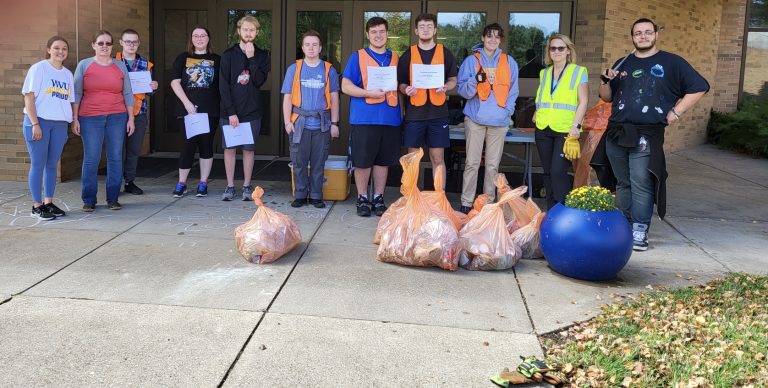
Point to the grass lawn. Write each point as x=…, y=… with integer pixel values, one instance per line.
x=712, y=335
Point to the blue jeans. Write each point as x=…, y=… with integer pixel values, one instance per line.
x=635, y=183
x=44, y=155
x=94, y=130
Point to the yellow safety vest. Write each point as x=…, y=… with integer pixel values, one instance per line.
x=557, y=111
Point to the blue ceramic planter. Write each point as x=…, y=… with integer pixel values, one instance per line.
x=584, y=244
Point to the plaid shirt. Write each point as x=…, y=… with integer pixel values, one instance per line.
x=140, y=64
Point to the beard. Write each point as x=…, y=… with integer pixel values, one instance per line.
x=244, y=40
x=646, y=47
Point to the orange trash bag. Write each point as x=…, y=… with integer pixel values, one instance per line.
x=515, y=209
x=268, y=235
x=485, y=242
x=527, y=238
x=420, y=235
x=438, y=199
x=480, y=201
x=595, y=122
x=389, y=217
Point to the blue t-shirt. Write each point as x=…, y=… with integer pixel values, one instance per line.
x=312, y=89
x=362, y=113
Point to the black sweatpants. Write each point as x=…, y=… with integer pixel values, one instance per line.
x=556, y=179
x=200, y=143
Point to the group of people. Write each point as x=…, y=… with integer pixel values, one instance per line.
x=99, y=103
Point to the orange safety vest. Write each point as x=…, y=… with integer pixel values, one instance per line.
x=364, y=60
x=296, y=89
x=421, y=95
x=137, y=98
x=501, y=83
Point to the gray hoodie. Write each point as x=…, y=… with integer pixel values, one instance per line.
x=486, y=112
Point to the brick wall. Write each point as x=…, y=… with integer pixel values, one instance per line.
x=693, y=31
x=24, y=39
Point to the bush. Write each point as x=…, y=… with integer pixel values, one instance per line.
x=591, y=198
x=744, y=130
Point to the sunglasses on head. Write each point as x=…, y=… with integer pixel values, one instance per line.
x=560, y=49
x=108, y=44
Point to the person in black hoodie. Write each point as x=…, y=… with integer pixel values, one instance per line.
x=244, y=68
x=650, y=90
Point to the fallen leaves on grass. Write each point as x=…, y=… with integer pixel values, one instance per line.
x=705, y=336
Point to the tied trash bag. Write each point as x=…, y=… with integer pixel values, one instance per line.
x=268, y=235
x=527, y=238
x=480, y=202
x=595, y=122
x=438, y=199
x=485, y=242
x=388, y=218
x=420, y=235
x=515, y=209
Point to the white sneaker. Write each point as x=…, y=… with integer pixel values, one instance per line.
x=640, y=237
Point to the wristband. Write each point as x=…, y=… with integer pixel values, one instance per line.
x=675, y=113
x=335, y=123
x=38, y=124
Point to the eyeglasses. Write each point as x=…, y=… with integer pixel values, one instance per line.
x=554, y=49
x=131, y=42
x=646, y=33
x=102, y=44
x=426, y=28
x=199, y=36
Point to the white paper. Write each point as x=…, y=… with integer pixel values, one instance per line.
x=140, y=82
x=428, y=76
x=196, y=124
x=384, y=78
x=237, y=136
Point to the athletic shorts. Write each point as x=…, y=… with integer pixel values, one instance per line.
x=434, y=133
x=375, y=145
x=255, y=130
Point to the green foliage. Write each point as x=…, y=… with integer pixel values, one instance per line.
x=328, y=24
x=591, y=198
x=399, y=30
x=263, y=40
x=460, y=38
x=758, y=14
x=746, y=129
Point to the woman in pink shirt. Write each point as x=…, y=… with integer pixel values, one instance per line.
x=103, y=107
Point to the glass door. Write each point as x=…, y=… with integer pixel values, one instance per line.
x=333, y=20
x=174, y=20
x=268, y=13
x=399, y=15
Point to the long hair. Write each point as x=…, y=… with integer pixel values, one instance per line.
x=53, y=40
x=571, y=58
x=191, y=47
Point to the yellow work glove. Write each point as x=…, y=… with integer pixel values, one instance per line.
x=571, y=148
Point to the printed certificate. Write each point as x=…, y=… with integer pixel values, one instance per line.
x=428, y=76
x=384, y=78
x=140, y=82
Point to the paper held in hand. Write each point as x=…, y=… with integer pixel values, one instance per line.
x=384, y=78
x=140, y=82
x=235, y=136
x=196, y=124
x=428, y=76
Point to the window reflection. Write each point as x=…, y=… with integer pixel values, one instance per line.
x=328, y=24
x=177, y=26
x=459, y=31
x=263, y=40
x=399, y=37
x=528, y=33
x=756, y=66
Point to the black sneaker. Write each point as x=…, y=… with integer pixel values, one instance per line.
x=640, y=237
x=318, y=203
x=53, y=209
x=465, y=209
x=131, y=187
x=180, y=190
x=41, y=213
x=89, y=207
x=299, y=202
x=247, y=192
x=202, y=189
x=378, y=205
x=363, y=207
x=114, y=205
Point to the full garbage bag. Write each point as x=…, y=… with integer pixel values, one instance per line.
x=485, y=242
x=515, y=209
x=527, y=237
x=480, y=201
x=420, y=235
x=438, y=199
x=268, y=235
x=595, y=123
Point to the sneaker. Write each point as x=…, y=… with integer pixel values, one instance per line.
x=89, y=207
x=465, y=209
x=247, y=191
x=181, y=189
x=114, y=205
x=131, y=187
x=202, y=189
x=640, y=237
x=318, y=203
x=41, y=213
x=378, y=206
x=363, y=207
x=229, y=194
x=299, y=202
x=53, y=209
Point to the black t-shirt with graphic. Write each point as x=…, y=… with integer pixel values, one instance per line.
x=199, y=75
x=646, y=89
x=427, y=111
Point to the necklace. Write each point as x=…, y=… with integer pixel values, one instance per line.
x=374, y=56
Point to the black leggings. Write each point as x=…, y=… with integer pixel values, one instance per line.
x=556, y=179
x=203, y=143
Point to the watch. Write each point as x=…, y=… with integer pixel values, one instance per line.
x=334, y=123
x=578, y=126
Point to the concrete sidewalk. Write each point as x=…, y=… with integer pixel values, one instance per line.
x=157, y=294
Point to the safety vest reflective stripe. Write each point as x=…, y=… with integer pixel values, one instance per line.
x=573, y=76
x=542, y=105
x=557, y=109
x=564, y=106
